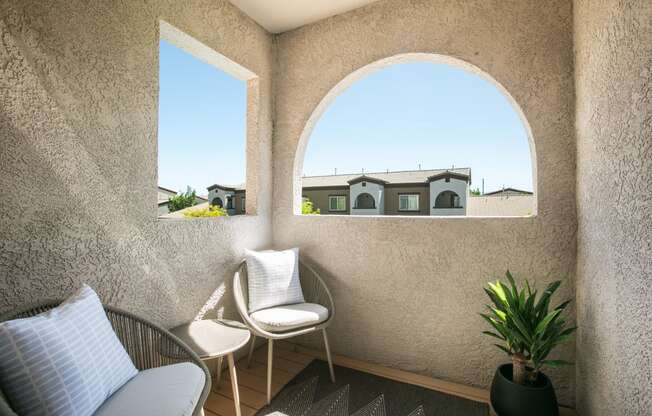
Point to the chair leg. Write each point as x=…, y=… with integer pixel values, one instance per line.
x=270, y=356
x=328, y=355
x=218, y=371
x=251, y=350
x=234, y=384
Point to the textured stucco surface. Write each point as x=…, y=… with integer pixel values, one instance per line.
x=613, y=43
x=408, y=289
x=78, y=156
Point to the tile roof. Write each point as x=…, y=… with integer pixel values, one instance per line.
x=508, y=191
x=405, y=176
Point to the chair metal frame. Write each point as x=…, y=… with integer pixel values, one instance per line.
x=314, y=291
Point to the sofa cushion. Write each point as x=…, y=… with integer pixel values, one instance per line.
x=287, y=317
x=273, y=278
x=64, y=361
x=172, y=390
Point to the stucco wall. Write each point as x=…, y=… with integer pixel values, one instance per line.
x=78, y=157
x=613, y=43
x=408, y=289
x=513, y=205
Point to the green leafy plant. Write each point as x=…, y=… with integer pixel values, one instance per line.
x=182, y=200
x=307, y=208
x=475, y=192
x=211, y=211
x=527, y=327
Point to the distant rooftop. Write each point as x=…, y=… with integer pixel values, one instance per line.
x=508, y=191
x=239, y=187
x=392, y=177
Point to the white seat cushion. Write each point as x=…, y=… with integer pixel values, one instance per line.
x=287, y=317
x=273, y=278
x=172, y=390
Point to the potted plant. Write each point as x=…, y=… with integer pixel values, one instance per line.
x=528, y=330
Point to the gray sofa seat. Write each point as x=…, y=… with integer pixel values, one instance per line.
x=172, y=390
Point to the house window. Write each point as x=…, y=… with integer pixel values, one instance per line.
x=337, y=203
x=408, y=202
x=202, y=95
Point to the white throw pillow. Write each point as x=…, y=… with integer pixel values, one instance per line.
x=273, y=278
x=66, y=361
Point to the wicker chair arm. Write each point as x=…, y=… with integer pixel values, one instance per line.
x=148, y=345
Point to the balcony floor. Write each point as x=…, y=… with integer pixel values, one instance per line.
x=289, y=360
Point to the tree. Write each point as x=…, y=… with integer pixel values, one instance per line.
x=182, y=200
x=308, y=209
x=475, y=192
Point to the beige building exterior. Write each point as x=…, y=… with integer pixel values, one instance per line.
x=232, y=198
x=412, y=192
x=435, y=192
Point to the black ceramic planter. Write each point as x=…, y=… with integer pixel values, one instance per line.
x=511, y=399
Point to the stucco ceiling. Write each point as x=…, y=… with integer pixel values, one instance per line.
x=282, y=15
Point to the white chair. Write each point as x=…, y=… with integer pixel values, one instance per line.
x=314, y=292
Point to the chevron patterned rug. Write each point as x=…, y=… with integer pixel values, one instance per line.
x=355, y=393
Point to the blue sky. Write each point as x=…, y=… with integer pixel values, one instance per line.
x=422, y=113
x=396, y=118
x=201, y=127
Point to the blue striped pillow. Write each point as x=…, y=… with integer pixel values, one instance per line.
x=66, y=361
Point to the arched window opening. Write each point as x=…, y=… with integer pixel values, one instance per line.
x=217, y=202
x=418, y=124
x=365, y=201
x=447, y=199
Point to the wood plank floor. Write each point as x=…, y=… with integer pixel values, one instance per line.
x=289, y=360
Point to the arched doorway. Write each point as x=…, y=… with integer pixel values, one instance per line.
x=365, y=201
x=447, y=199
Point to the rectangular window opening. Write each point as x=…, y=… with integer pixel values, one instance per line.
x=204, y=111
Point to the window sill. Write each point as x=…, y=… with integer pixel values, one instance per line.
x=190, y=219
x=420, y=217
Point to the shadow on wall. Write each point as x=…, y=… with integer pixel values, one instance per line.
x=88, y=232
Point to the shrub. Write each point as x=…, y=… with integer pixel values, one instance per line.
x=308, y=209
x=182, y=200
x=211, y=211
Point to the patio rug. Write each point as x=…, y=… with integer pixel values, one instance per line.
x=355, y=393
